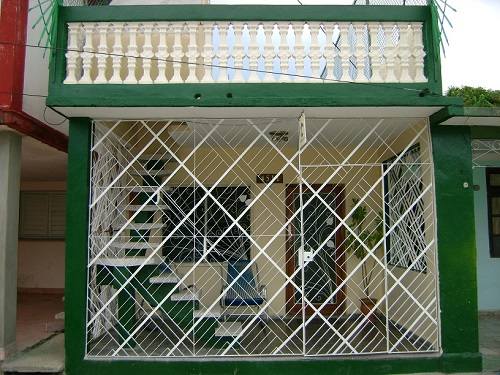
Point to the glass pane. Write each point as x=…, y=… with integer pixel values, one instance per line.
x=494, y=179
x=495, y=205
x=495, y=225
x=495, y=252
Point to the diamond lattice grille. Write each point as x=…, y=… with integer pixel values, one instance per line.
x=259, y=237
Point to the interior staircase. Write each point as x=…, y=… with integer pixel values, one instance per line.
x=145, y=279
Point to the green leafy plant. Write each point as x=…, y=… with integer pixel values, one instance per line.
x=476, y=96
x=364, y=239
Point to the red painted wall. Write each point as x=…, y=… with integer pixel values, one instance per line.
x=13, y=22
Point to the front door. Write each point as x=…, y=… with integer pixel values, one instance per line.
x=316, y=244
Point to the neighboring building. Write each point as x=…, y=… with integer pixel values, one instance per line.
x=200, y=143
x=32, y=158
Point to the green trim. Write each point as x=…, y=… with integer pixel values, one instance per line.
x=359, y=366
x=456, y=242
x=446, y=113
x=77, y=240
x=245, y=95
x=482, y=112
x=263, y=13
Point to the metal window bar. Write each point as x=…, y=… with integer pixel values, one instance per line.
x=145, y=304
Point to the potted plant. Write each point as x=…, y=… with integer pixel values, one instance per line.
x=365, y=238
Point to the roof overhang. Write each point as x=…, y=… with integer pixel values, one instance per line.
x=158, y=113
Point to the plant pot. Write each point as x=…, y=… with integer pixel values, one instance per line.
x=366, y=305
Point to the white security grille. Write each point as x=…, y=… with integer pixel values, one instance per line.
x=259, y=237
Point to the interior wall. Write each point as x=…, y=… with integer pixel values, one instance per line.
x=420, y=288
x=268, y=215
x=41, y=262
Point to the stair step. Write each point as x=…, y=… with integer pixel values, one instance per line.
x=127, y=261
x=152, y=172
x=165, y=278
x=228, y=329
x=186, y=295
x=141, y=226
x=215, y=312
x=147, y=208
x=146, y=158
x=134, y=245
x=149, y=189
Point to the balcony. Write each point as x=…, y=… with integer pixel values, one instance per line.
x=214, y=55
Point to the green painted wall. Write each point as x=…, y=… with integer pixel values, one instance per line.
x=77, y=242
x=456, y=246
x=457, y=261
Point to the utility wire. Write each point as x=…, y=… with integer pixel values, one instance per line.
x=110, y=54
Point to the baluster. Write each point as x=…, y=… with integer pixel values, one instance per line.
x=177, y=53
x=117, y=52
x=88, y=53
x=162, y=53
x=300, y=53
x=208, y=53
x=238, y=53
x=102, y=55
x=269, y=53
x=253, y=52
x=223, y=55
x=390, y=54
x=132, y=54
x=315, y=53
x=147, y=53
x=418, y=51
x=330, y=53
x=360, y=53
x=375, y=54
x=283, y=53
x=73, y=54
x=345, y=52
x=192, y=53
x=404, y=52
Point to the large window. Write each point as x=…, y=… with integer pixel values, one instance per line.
x=219, y=227
x=42, y=215
x=493, y=189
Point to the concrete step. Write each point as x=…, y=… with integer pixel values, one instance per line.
x=127, y=261
x=165, y=278
x=215, y=312
x=228, y=329
x=187, y=295
x=146, y=208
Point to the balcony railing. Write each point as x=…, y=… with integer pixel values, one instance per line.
x=244, y=52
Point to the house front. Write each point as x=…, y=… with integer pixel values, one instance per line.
x=263, y=188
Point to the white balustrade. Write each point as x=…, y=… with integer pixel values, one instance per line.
x=239, y=52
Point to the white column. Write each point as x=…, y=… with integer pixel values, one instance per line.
x=10, y=174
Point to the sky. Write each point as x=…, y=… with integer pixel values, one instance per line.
x=472, y=57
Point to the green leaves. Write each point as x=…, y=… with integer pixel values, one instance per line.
x=476, y=96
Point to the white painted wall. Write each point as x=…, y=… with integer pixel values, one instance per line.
x=36, y=76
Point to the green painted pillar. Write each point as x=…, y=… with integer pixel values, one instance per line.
x=77, y=242
x=456, y=248
x=10, y=175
